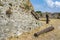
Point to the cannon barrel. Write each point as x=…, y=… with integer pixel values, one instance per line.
x=35, y=15
x=43, y=31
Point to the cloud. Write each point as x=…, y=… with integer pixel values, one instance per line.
x=51, y=3
x=57, y=3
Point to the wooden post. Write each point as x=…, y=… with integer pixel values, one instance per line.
x=47, y=19
x=44, y=31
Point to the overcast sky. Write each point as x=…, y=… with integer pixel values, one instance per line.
x=46, y=5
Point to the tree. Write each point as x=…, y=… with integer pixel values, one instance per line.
x=39, y=12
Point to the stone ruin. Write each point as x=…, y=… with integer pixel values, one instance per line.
x=16, y=18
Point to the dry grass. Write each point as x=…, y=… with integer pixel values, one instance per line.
x=53, y=35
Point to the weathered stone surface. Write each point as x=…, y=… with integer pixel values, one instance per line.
x=20, y=20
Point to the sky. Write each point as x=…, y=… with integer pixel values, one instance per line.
x=46, y=5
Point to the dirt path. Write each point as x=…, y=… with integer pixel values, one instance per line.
x=53, y=35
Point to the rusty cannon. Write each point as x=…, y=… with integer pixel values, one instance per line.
x=44, y=31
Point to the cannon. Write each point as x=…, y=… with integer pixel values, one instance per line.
x=43, y=31
x=35, y=15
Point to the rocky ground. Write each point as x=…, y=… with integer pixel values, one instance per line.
x=52, y=35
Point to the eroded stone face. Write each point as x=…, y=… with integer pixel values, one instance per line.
x=20, y=20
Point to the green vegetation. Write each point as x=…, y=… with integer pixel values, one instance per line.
x=58, y=16
x=10, y=4
x=26, y=6
x=39, y=12
x=0, y=11
x=1, y=4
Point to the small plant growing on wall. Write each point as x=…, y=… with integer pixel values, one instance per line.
x=8, y=12
x=0, y=11
x=26, y=6
x=1, y=4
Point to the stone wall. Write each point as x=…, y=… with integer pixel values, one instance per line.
x=16, y=18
